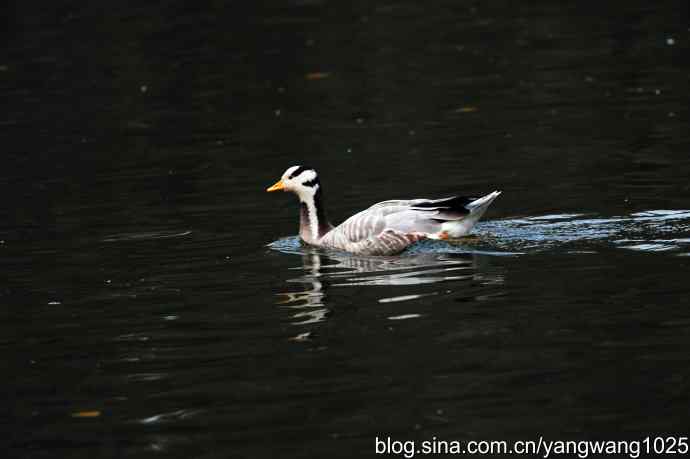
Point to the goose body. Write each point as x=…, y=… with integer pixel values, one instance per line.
x=386, y=228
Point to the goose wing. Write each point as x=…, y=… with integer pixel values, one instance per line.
x=391, y=226
x=451, y=208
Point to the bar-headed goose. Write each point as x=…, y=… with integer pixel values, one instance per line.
x=386, y=228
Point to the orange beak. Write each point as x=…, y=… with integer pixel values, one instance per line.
x=279, y=185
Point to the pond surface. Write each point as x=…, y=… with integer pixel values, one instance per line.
x=156, y=301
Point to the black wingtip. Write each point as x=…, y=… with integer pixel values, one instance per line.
x=452, y=203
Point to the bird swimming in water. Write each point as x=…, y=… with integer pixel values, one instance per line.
x=386, y=228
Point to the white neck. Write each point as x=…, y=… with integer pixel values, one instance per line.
x=313, y=223
x=312, y=219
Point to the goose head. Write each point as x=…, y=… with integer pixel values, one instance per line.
x=301, y=180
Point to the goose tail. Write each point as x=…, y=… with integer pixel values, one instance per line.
x=480, y=205
x=454, y=229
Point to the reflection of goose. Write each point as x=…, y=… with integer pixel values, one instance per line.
x=308, y=303
x=345, y=270
x=419, y=269
x=385, y=228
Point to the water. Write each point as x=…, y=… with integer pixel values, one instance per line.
x=155, y=300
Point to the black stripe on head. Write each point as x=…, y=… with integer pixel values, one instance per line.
x=296, y=172
x=299, y=170
x=311, y=183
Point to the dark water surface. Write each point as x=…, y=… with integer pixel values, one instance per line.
x=155, y=300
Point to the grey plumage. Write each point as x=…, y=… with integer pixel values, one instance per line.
x=386, y=228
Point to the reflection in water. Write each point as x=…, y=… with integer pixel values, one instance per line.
x=309, y=303
x=326, y=270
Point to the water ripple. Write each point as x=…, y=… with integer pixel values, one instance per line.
x=170, y=416
x=642, y=229
x=145, y=236
x=527, y=234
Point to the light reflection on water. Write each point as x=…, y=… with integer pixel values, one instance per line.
x=170, y=417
